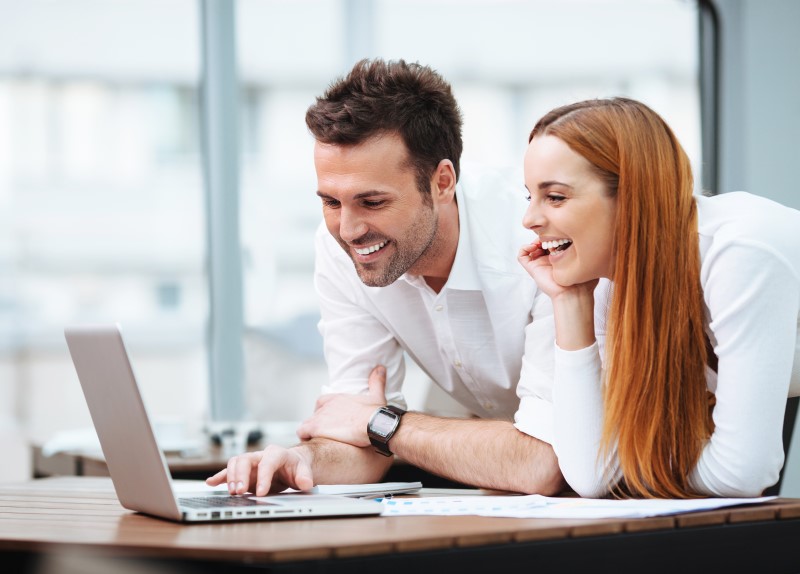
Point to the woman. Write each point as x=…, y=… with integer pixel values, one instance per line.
x=684, y=393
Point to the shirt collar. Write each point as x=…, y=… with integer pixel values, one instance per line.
x=463, y=274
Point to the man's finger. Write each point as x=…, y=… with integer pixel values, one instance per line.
x=231, y=474
x=303, y=477
x=274, y=458
x=304, y=431
x=218, y=478
x=244, y=466
x=377, y=383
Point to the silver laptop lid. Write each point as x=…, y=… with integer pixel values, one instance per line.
x=135, y=462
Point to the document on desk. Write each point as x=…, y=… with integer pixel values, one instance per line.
x=536, y=506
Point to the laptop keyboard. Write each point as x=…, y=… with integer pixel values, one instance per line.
x=219, y=501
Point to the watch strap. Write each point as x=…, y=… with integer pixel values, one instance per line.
x=380, y=441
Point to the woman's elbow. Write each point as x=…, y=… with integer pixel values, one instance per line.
x=588, y=488
x=748, y=479
x=747, y=485
x=585, y=482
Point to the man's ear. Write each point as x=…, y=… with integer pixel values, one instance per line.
x=443, y=184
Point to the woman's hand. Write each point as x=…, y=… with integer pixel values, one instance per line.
x=535, y=260
x=573, y=305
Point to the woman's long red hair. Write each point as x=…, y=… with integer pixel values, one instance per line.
x=655, y=396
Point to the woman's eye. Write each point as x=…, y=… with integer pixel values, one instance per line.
x=554, y=198
x=528, y=197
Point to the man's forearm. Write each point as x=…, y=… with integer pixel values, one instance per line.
x=335, y=462
x=488, y=454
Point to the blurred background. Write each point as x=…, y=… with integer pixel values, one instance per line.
x=103, y=201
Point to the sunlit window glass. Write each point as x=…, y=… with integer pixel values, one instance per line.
x=101, y=203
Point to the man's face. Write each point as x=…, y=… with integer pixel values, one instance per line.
x=373, y=208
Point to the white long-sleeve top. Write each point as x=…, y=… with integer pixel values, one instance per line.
x=750, y=275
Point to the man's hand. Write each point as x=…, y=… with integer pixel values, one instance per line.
x=344, y=418
x=271, y=470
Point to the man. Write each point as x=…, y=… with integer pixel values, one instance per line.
x=410, y=261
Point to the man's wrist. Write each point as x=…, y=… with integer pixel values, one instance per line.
x=383, y=426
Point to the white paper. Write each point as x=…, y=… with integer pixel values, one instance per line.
x=371, y=489
x=536, y=506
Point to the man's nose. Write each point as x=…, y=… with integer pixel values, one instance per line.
x=351, y=225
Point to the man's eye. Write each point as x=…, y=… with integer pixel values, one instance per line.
x=330, y=203
x=373, y=203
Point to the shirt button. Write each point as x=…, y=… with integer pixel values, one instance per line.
x=439, y=307
x=488, y=406
x=457, y=363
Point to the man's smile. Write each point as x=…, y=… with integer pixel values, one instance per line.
x=370, y=249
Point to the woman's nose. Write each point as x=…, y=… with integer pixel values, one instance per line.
x=533, y=217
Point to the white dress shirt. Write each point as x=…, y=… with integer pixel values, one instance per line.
x=468, y=338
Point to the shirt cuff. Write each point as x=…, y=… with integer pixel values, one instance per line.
x=535, y=418
x=586, y=360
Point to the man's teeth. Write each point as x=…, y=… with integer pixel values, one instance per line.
x=372, y=249
x=554, y=245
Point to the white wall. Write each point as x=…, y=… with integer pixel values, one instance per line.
x=760, y=117
x=760, y=151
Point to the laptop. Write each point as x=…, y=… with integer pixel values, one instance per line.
x=135, y=462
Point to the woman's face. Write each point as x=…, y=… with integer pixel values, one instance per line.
x=570, y=210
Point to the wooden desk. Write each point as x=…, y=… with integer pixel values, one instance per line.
x=76, y=524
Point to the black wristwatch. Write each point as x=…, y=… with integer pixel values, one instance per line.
x=382, y=426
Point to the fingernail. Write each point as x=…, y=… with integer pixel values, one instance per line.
x=261, y=488
x=231, y=486
x=240, y=485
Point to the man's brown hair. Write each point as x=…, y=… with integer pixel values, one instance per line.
x=378, y=97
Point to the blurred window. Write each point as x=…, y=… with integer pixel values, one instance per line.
x=101, y=200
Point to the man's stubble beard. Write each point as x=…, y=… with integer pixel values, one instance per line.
x=403, y=260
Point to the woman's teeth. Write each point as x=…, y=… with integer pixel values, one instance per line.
x=556, y=245
x=372, y=249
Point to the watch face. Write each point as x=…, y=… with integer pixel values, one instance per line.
x=383, y=423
